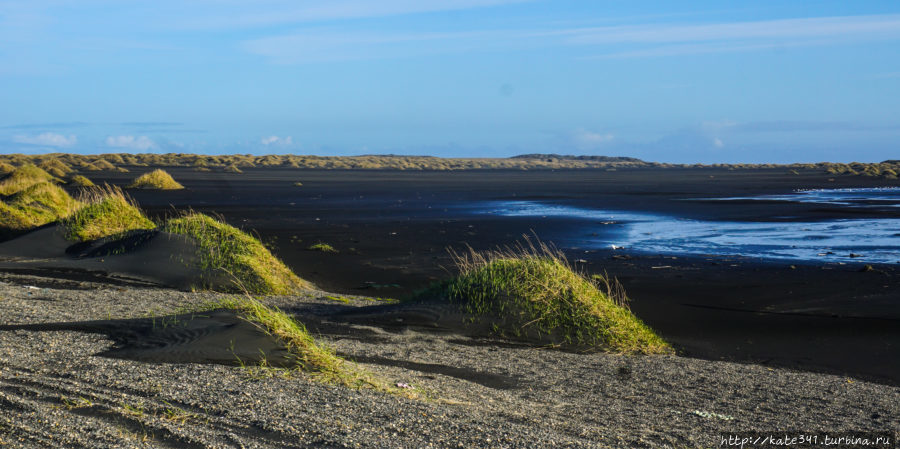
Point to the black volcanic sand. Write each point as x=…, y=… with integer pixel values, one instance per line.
x=392, y=230
x=107, y=367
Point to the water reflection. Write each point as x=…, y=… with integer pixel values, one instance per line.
x=870, y=240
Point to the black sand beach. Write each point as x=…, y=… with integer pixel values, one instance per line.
x=815, y=342
x=392, y=228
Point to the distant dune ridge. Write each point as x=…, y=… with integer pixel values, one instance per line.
x=235, y=163
x=577, y=158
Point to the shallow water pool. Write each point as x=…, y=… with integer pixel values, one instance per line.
x=874, y=240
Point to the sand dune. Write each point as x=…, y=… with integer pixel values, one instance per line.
x=217, y=336
x=152, y=257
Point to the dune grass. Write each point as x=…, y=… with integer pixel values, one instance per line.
x=322, y=247
x=156, y=180
x=35, y=206
x=55, y=167
x=22, y=178
x=103, y=164
x=315, y=359
x=531, y=292
x=107, y=212
x=80, y=181
x=6, y=168
x=224, y=249
x=233, y=168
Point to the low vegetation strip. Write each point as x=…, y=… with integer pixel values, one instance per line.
x=530, y=292
x=226, y=250
x=156, y=180
x=107, y=212
x=888, y=169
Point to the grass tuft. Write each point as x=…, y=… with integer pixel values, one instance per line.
x=55, y=167
x=323, y=247
x=531, y=292
x=224, y=249
x=313, y=358
x=6, y=168
x=80, y=181
x=22, y=178
x=108, y=212
x=156, y=180
x=36, y=205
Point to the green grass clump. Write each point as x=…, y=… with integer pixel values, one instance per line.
x=22, y=178
x=35, y=206
x=157, y=180
x=532, y=293
x=233, y=168
x=224, y=249
x=80, y=181
x=55, y=167
x=107, y=212
x=323, y=247
x=6, y=168
x=103, y=164
x=313, y=358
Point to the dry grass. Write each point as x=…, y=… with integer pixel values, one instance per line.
x=114, y=162
x=157, y=180
x=103, y=164
x=224, y=249
x=35, y=206
x=531, y=292
x=22, y=178
x=55, y=167
x=315, y=359
x=80, y=181
x=107, y=212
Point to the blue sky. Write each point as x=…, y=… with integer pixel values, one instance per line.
x=689, y=81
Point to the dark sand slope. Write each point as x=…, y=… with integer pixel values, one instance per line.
x=142, y=257
x=216, y=336
x=60, y=388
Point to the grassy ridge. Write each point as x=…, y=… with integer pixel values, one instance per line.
x=233, y=163
x=532, y=293
x=224, y=249
x=107, y=212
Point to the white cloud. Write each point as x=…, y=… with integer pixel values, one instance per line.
x=816, y=27
x=669, y=39
x=624, y=41
x=717, y=142
x=47, y=139
x=275, y=140
x=589, y=140
x=141, y=143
